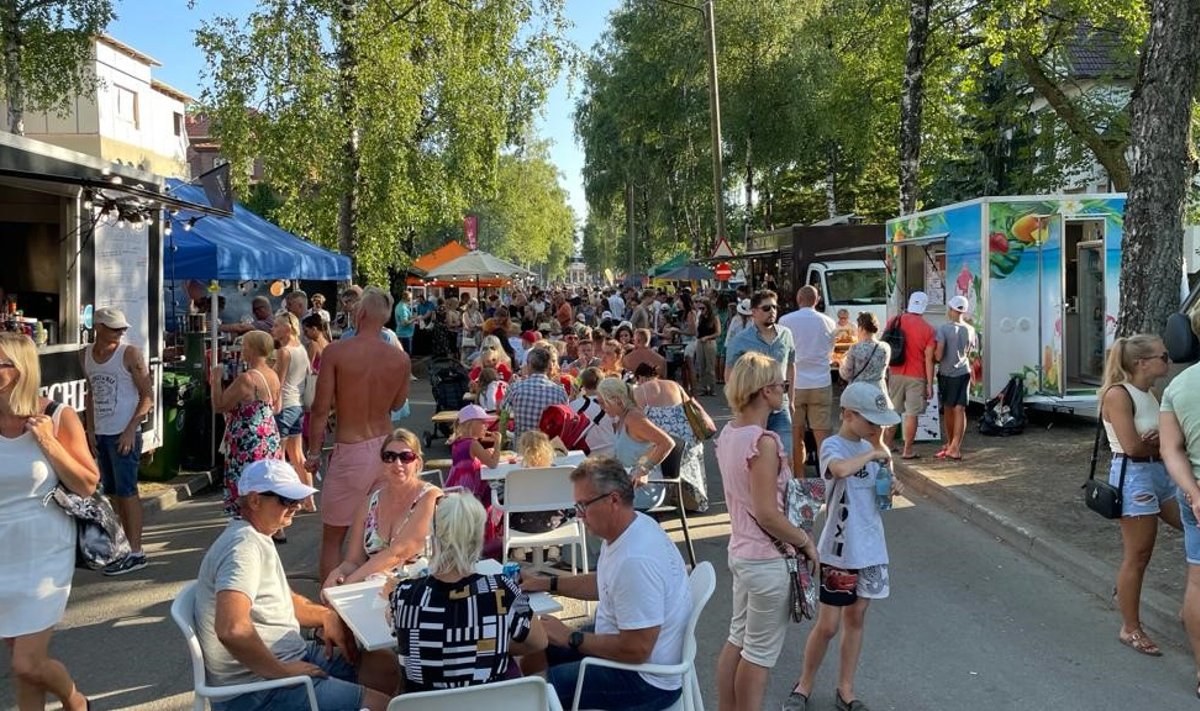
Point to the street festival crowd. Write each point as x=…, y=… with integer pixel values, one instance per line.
x=610, y=372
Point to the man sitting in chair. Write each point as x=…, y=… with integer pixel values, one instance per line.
x=644, y=601
x=248, y=620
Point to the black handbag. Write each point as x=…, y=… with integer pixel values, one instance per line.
x=1099, y=495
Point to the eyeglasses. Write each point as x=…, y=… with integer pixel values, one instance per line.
x=766, y=307
x=406, y=457
x=1164, y=357
x=283, y=500
x=581, y=507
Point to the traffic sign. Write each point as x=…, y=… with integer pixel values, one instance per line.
x=722, y=250
x=723, y=272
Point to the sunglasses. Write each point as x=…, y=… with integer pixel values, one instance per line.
x=581, y=507
x=766, y=307
x=283, y=500
x=405, y=457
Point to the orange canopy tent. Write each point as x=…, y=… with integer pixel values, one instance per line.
x=441, y=255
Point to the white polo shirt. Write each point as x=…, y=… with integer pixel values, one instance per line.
x=812, y=332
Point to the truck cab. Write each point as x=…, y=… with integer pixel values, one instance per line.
x=855, y=285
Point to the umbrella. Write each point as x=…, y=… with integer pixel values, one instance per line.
x=476, y=265
x=689, y=272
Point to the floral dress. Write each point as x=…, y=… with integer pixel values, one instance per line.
x=672, y=420
x=250, y=435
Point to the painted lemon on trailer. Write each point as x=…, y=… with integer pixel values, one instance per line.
x=1031, y=229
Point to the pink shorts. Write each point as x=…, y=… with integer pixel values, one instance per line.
x=353, y=471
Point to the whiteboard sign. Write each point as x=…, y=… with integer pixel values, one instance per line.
x=123, y=275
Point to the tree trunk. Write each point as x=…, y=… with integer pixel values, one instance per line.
x=14, y=88
x=912, y=99
x=831, y=181
x=749, y=190
x=629, y=226
x=347, y=60
x=1162, y=167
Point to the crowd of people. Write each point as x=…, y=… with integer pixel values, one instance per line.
x=612, y=372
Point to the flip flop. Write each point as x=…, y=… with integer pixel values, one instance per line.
x=911, y=456
x=957, y=459
x=1139, y=642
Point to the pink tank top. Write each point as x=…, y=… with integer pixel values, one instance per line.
x=736, y=446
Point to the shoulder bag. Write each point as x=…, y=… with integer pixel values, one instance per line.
x=702, y=425
x=893, y=335
x=1099, y=495
x=309, y=391
x=802, y=599
x=99, y=539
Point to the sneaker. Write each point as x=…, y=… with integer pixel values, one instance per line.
x=795, y=702
x=128, y=564
x=414, y=378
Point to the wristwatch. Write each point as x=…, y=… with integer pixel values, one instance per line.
x=553, y=583
x=575, y=640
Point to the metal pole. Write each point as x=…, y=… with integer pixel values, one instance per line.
x=714, y=106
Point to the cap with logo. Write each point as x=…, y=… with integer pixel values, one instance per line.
x=959, y=303
x=917, y=302
x=869, y=401
x=110, y=317
x=275, y=476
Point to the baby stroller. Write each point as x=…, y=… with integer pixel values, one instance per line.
x=450, y=381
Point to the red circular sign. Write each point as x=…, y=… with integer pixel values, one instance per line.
x=723, y=272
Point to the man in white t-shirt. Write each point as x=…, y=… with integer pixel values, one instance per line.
x=812, y=391
x=644, y=600
x=617, y=305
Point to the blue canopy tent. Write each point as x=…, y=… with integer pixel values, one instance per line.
x=243, y=247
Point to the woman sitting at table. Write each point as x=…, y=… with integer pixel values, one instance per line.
x=640, y=444
x=390, y=529
x=457, y=627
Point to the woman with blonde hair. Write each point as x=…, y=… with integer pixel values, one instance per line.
x=755, y=470
x=249, y=403
x=292, y=368
x=640, y=445
x=390, y=529
x=1129, y=412
x=457, y=619
x=42, y=445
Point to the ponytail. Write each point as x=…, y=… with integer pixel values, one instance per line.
x=1123, y=357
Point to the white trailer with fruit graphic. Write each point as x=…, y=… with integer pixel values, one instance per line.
x=1040, y=273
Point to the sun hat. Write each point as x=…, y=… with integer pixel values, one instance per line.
x=743, y=307
x=959, y=303
x=917, y=302
x=869, y=401
x=111, y=317
x=274, y=476
x=474, y=412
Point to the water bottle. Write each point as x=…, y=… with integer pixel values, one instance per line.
x=883, y=487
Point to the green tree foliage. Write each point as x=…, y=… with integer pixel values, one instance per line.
x=48, y=47
x=439, y=88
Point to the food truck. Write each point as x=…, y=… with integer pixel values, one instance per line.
x=1041, y=276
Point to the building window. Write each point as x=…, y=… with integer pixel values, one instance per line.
x=178, y=124
x=127, y=105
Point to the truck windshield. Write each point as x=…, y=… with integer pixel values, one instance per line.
x=856, y=286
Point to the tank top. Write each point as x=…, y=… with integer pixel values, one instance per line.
x=293, y=380
x=114, y=395
x=1145, y=416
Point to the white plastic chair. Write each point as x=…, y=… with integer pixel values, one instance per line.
x=548, y=489
x=530, y=693
x=183, y=612
x=701, y=583
x=433, y=476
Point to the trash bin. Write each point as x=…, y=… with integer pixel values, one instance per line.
x=162, y=464
x=196, y=454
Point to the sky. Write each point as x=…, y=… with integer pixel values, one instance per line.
x=164, y=30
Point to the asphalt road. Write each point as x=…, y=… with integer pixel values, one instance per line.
x=971, y=624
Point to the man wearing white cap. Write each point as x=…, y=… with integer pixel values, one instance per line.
x=119, y=395
x=910, y=383
x=955, y=340
x=248, y=620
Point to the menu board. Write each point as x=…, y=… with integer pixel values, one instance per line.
x=123, y=274
x=935, y=275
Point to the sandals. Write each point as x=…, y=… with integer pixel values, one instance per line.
x=1139, y=642
x=854, y=705
x=799, y=702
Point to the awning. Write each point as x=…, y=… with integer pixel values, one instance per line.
x=432, y=260
x=242, y=247
x=675, y=262
x=439, y=256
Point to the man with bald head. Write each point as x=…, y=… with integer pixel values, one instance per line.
x=363, y=378
x=812, y=390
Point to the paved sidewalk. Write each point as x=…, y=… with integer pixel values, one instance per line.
x=1026, y=491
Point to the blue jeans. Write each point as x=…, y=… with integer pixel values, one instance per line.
x=780, y=422
x=603, y=688
x=118, y=472
x=336, y=692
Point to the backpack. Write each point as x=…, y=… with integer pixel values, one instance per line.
x=893, y=335
x=569, y=426
x=1004, y=415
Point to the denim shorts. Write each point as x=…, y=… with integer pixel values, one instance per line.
x=1147, y=486
x=290, y=421
x=118, y=472
x=780, y=422
x=337, y=692
x=1191, y=534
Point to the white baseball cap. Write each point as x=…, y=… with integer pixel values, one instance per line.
x=869, y=401
x=917, y=302
x=959, y=303
x=111, y=317
x=274, y=476
x=743, y=307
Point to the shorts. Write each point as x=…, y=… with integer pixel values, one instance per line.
x=337, y=691
x=1191, y=534
x=907, y=393
x=118, y=472
x=353, y=470
x=1147, y=486
x=290, y=421
x=873, y=583
x=761, y=593
x=953, y=390
x=814, y=407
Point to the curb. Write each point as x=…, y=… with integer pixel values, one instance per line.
x=182, y=488
x=1159, y=612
